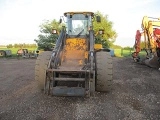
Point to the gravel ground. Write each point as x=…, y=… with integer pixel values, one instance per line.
x=135, y=95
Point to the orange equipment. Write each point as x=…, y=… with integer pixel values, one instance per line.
x=137, y=46
x=77, y=66
x=151, y=33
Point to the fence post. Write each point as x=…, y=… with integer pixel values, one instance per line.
x=122, y=52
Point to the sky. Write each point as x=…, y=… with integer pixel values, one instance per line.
x=20, y=19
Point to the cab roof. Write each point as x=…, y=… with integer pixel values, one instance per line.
x=91, y=13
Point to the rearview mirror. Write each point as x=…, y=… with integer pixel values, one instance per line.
x=98, y=18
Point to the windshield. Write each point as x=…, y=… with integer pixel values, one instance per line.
x=78, y=24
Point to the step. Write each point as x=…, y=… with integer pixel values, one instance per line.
x=67, y=70
x=69, y=79
x=68, y=91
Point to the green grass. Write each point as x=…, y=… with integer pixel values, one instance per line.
x=126, y=53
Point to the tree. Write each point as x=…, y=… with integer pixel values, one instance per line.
x=109, y=35
x=127, y=48
x=10, y=46
x=15, y=45
x=116, y=46
x=46, y=39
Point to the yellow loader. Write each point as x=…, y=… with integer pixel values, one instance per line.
x=77, y=66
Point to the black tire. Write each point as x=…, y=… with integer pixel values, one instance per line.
x=2, y=53
x=40, y=68
x=104, y=71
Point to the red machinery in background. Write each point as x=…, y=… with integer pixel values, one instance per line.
x=137, y=46
x=151, y=34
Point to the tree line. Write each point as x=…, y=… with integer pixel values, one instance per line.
x=21, y=45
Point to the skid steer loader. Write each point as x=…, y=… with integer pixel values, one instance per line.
x=151, y=34
x=77, y=66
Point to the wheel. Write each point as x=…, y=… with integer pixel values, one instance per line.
x=40, y=68
x=47, y=86
x=104, y=71
x=2, y=53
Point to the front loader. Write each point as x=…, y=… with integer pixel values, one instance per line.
x=77, y=66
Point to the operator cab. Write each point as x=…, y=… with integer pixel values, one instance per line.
x=78, y=23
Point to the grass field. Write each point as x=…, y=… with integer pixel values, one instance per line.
x=117, y=52
x=126, y=53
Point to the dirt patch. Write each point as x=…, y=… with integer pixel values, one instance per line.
x=135, y=95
